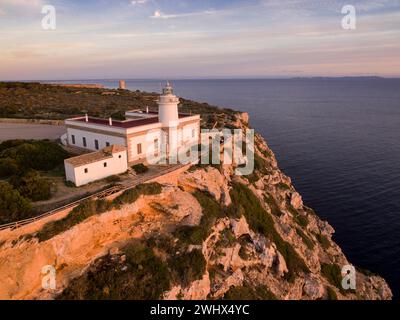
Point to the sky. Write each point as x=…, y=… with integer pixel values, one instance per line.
x=179, y=39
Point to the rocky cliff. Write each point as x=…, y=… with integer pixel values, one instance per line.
x=209, y=234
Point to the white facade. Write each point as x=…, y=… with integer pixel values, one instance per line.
x=87, y=168
x=143, y=132
x=78, y=137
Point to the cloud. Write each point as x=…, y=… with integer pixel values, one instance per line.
x=138, y=2
x=160, y=15
x=21, y=3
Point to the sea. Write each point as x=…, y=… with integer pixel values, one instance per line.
x=339, y=141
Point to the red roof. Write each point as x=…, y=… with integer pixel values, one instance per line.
x=124, y=124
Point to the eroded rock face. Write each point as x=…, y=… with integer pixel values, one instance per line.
x=296, y=201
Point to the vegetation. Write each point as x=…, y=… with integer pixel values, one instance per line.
x=261, y=166
x=269, y=199
x=143, y=276
x=140, y=168
x=90, y=207
x=331, y=294
x=323, y=240
x=31, y=185
x=33, y=154
x=42, y=101
x=260, y=221
x=131, y=195
x=19, y=160
x=8, y=167
x=332, y=273
x=248, y=292
x=13, y=206
x=211, y=211
x=188, y=267
x=307, y=241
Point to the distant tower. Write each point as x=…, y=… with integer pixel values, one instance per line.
x=122, y=84
x=168, y=107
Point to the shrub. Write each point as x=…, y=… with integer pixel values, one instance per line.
x=332, y=273
x=211, y=211
x=247, y=292
x=188, y=267
x=89, y=208
x=13, y=206
x=331, y=294
x=323, y=240
x=143, y=276
x=307, y=241
x=113, y=179
x=131, y=195
x=80, y=213
x=260, y=221
x=269, y=199
x=140, y=168
x=31, y=185
x=8, y=167
x=30, y=154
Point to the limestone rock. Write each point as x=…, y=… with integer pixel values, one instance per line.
x=296, y=201
x=313, y=288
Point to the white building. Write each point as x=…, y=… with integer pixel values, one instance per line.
x=94, y=166
x=142, y=133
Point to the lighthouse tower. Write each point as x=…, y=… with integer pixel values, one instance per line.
x=168, y=107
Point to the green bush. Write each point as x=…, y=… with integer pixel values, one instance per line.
x=331, y=294
x=188, y=267
x=323, y=240
x=143, y=276
x=13, y=206
x=307, y=241
x=8, y=167
x=333, y=274
x=248, y=292
x=80, y=213
x=31, y=185
x=140, y=168
x=260, y=221
x=131, y=195
x=32, y=154
x=89, y=208
x=211, y=211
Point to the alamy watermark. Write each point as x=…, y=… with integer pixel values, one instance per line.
x=227, y=147
x=49, y=277
x=350, y=19
x=349, y=277
x=49, y=20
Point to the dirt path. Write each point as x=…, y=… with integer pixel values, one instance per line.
x=10, y=131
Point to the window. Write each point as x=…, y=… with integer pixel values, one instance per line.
x=107, y=144
x=96, y=144
x=86, y=170
x=156, y=146
x=105, y=164
x=84, y=141
x=120, y=156
x=139, y=148
x=73, y=139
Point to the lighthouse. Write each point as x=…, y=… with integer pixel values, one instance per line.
x=168, y=107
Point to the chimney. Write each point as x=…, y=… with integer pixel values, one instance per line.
x=86, y=118
x=110, y=121
x=147, y=109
